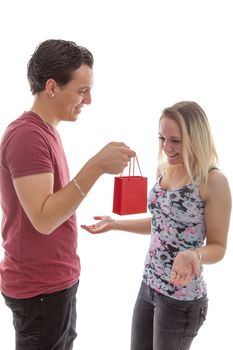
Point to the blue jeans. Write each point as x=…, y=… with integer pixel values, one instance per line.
x=45, y=322
x=163, y=323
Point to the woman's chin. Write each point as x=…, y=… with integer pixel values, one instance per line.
x=174, y=160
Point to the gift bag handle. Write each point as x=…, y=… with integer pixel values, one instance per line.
x=133, y=166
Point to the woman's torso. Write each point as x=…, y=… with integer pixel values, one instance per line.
x=177, y=224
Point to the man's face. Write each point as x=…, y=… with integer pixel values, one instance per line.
x=72, y=97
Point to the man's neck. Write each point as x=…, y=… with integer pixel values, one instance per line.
x=43, y=109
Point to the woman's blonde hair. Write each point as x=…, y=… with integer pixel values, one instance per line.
x=199, y=153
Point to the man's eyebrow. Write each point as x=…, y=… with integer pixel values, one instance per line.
x=84, y=88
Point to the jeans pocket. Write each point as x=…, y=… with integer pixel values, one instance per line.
x=174, y=303
x=18, y=311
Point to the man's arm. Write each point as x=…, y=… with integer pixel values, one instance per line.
x=47, y=210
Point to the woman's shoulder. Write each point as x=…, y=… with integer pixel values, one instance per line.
x=216, y=178
x=217, y=184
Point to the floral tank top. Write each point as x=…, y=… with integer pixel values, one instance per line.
x=177, y=224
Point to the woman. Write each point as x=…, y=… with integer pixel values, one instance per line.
x=190, y=205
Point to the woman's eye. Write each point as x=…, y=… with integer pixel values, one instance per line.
x=176, y=141
x=163, y=139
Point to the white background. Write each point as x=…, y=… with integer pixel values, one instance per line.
x=148, y=55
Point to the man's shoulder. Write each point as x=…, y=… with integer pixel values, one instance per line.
x=25, y=120
x=25, y=126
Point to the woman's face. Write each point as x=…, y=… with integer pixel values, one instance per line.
x=171, y=140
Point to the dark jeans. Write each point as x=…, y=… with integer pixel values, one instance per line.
x=163, y=323
x=45, y=322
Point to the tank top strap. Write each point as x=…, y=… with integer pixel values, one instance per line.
x=213, y=168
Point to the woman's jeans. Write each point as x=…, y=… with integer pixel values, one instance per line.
x=163, y=323
x=45, y=322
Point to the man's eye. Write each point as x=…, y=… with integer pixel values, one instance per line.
x=82, y=91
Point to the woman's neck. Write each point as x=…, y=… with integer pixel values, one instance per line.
x=175, y=176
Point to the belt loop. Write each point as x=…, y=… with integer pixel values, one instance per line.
x=152, y=293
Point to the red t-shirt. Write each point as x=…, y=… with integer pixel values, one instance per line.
x=34, y=263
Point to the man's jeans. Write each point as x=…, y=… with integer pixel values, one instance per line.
x=163, y=323
x=45, y=322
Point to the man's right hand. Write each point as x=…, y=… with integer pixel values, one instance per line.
x=113, y=158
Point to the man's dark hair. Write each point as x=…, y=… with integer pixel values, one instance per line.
x=56, y=59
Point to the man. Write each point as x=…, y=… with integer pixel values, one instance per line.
x=40, y=269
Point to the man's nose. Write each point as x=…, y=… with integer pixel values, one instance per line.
x=87, y=98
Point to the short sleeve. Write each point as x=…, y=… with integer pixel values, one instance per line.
x=27, y=152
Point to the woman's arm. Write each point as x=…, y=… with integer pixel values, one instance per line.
x=106, y=223
x=217, y=218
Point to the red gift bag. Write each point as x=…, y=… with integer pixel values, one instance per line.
x=130, y=193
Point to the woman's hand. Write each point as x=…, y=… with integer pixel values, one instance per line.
x=105, y=224
x=186, y=266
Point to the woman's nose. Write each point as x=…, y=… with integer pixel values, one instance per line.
x=167, y=145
